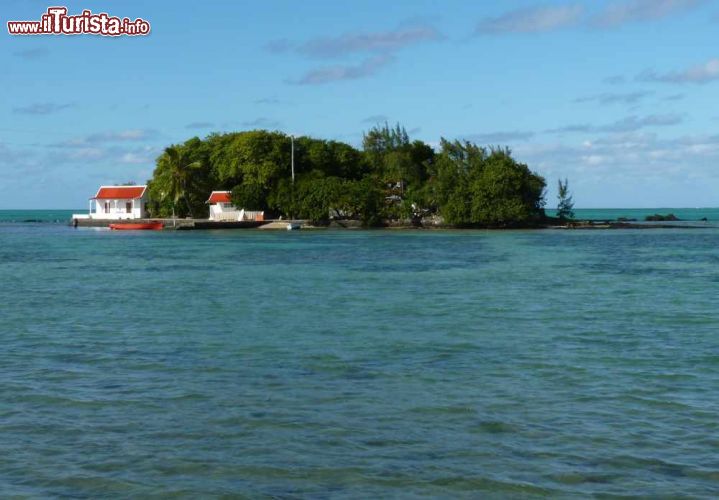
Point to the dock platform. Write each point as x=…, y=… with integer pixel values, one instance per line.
x=172, y=224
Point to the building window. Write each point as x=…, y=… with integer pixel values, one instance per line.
x=107, y=207
x=128, y=207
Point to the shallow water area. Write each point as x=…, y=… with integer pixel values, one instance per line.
x=358, y=363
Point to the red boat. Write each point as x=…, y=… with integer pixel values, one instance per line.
x=137, y=226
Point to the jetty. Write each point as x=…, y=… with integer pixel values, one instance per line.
x=189, y=224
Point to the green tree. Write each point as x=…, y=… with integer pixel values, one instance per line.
x=453, y=168
x=257, y=156
x=505, y=192
x=364, y=200
x=250, y=196
x=474, y=186
x=317, y=198
x=401, y=165
x=256, y=166
x=181, y=180
x=565, y=205
x=380, y=140
x=391, y=177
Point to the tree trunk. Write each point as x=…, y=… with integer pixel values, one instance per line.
x=189, y=208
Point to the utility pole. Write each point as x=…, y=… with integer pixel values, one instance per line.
x=292, y=163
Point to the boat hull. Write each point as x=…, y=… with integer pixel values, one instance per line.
x=137, y=226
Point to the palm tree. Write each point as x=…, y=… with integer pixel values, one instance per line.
x=179, y=167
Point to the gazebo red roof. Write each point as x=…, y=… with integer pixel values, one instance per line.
x=219, y=197
x=120, y=192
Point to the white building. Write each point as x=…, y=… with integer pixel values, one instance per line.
x=118, y=202
x=222, y=209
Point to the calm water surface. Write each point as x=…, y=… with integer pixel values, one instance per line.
x=359, y=364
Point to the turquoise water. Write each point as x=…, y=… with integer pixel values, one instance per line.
x=359, y=364
x=685, y=214
x=38, y=216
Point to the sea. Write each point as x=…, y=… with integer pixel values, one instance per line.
x=359, y=364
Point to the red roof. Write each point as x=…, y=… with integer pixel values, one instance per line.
x=120, y=192
x=219, y=197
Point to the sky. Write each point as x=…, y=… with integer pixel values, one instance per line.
x=618, y=96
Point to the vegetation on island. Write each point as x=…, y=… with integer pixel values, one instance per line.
x=391, y=178
x=565, y=204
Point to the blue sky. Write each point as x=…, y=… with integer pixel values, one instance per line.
x=619, y=96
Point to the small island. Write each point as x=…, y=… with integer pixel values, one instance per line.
x=392, y=180
x=256, y=178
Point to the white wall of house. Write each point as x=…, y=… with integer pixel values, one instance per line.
x=119, y=209
x=229, y=212
x=223, y=211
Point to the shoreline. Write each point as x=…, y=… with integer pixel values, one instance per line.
x=276, y=224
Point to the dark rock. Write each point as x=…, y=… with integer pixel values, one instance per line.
x=661, y=218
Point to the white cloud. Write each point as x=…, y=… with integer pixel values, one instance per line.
x=626, y=11
x=630, y=169
x=615, y=97
x=536, y=19
x=328, y=74
x=627, y=124
x=262, y=122
x=135, y=158
x=379, y=49
x=132, y=135
x=500, y=137
x=378, y=42
x=42, y=108
x=546, y=18
x=699, y=74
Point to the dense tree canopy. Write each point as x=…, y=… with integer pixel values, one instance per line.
x=477, y=186
x=402, y=165
x=392, y=177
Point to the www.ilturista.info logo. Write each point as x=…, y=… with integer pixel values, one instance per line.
x=56, y=22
